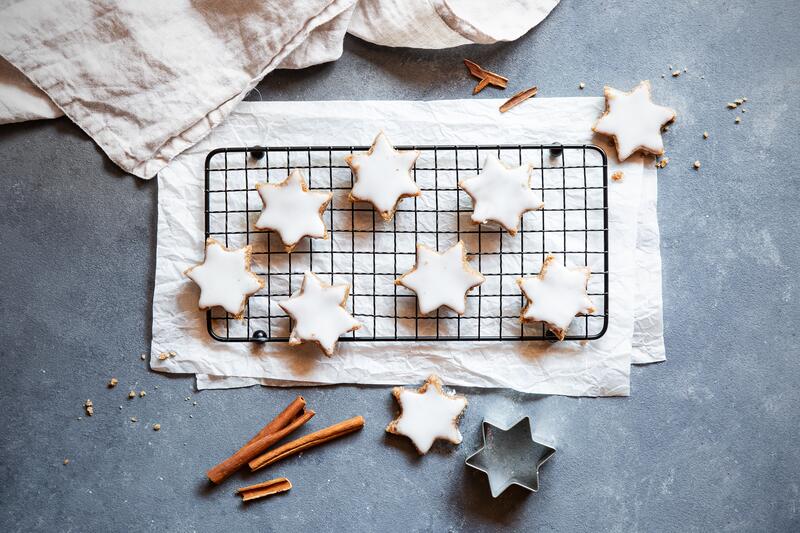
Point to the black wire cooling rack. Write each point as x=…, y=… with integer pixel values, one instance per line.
x=369, y=254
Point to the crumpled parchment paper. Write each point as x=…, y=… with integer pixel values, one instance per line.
x=594, y=368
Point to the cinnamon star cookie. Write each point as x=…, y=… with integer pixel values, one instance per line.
x=292, y=211
x=224, y=278
x=441, y=279
x=556, y=296
x=634, y=121
x=382, y=176
x=427, y=414
x=319, y=314
x=501, y=194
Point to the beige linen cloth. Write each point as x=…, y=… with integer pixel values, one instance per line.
x=148, y=79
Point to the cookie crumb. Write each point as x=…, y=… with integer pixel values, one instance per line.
x=617, y=176
x=131, y=395
x=686, y=69
x=134, y=419
x=143, y=356
x=744, y=110
x=732, y=105
x=581, y=85
x=663, y=162
x=89, y=406
x=112, y=383
x=676, y=73
x=738, y=101
x=142, y=394
x=162, y=356
x=744, y=98
x=156, y=427
x=173, y=353
x=737, y=120
x=696, y=165
x=705, y=135
x=66, y=461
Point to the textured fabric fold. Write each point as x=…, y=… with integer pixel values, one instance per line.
x=148, y=79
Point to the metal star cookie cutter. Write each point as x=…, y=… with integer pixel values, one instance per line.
x=510, y=456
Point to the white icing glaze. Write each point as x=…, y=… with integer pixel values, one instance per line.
x=501, y=194
x=291, y=210
x=428, y=414
x=634, y=121
x=224, y=278
x=318, y=313
x=441, y=278
x=383, y=176
x=556, y=295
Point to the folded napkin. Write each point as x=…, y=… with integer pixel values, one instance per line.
x=147, y=79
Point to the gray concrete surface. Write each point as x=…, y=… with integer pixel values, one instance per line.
x=707, y=442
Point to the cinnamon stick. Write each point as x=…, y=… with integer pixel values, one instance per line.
x=519, y=98
x=487, y=77
x=267, y=488
x=282, y=420
x=308, y=441
x=258, y=445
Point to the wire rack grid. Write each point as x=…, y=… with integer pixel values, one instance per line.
x=369, y=253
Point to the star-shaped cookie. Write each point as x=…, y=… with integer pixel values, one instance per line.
x=501, y=194
x=441, y=279
x=428, y=414
x=224, y=278
x=382, y=176
x=634, y=121
x=292, y=211
x=556, y=296
x=318, y=313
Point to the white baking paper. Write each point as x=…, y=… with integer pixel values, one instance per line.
x=648, y=329
x=595, y=368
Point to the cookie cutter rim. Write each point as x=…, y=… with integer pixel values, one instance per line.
x=550, y=451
